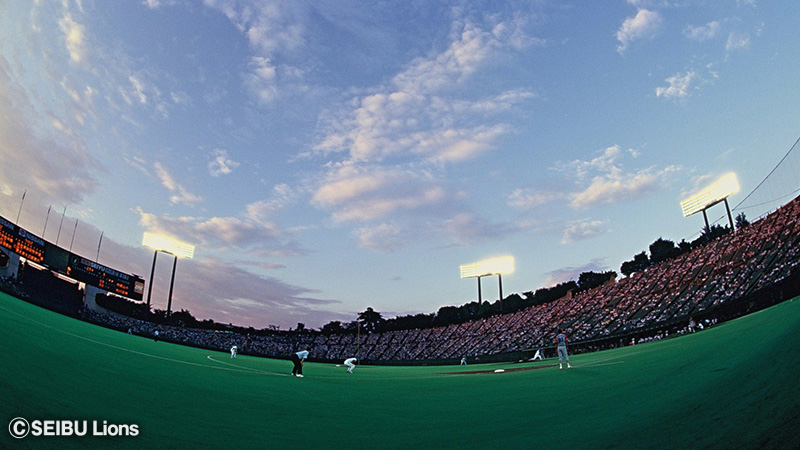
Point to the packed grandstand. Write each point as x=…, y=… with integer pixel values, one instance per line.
x=739, y=272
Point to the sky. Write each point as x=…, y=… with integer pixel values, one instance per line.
x=329, y=156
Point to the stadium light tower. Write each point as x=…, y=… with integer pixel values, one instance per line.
x=716, y=192
x=492, y=266
x=175, y=248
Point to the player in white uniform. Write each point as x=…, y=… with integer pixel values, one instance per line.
x=561, y=343
x=234, y=351
x=351, y=364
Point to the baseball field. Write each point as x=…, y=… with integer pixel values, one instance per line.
x=732, y=386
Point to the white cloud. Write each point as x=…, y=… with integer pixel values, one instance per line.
x=464, y=228
x=643, y=25
x=234, y=231
x=211, y=295
x=420, y=114
x=615, y=187
x=153, y=4
x=461, y=59
x=58, y=166
x=181, y=194
x=737, y=41
x=605, y=162
x=608, y=181
x=138, y=89
x=75, y=38
x=528, y=198
x=364, y=194
x=262, y=211
x=221, y=163
x=275, y=31
x=383, y=236
x=402, y=124
x=582, y=229
x=679, y=85
x=214, y=233
x=261, y=80
x=393, y=138
x=703, y=32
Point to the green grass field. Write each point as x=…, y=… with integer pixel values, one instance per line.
x=732, y=386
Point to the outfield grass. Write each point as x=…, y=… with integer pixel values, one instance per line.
x=733, y=386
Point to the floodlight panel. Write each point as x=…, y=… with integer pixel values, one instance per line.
x=491, y=266
x=168, y=244
x=719, y=190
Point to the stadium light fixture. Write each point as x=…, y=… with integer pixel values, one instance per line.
x=493, y=266
x=716, y=192
x=167, y=244
x=719, y=190
x=174, y=247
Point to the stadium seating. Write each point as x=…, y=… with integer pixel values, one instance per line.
x=658, y=300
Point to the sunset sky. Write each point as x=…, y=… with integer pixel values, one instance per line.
x=329, y=156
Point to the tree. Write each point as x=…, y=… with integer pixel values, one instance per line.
x=741, y=221
x=447, y=315
x=485, y=310
x=662, y=250
x=513, y=302
x=370, y=319
x=709, y=234
x=409, y=322
x=639, y=263
x=590, y=280
x=183, y=318
x=332, y=327
x=547, y=295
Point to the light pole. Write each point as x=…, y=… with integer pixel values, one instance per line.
x=173, y=247
x=493, y=266
x=716, y=192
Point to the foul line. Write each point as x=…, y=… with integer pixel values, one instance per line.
x=246, y=369
x=136, y=352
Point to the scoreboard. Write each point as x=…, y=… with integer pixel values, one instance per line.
x=21, y=242
x=39, y=251
x=106, y=278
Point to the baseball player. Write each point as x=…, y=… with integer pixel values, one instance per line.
x=561, y=343
x=351, y=364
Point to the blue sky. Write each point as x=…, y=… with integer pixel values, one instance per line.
x=329, y=156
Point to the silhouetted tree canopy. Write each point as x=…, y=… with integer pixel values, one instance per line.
x=638, y=263
x=590, y=280
x=662, y=250
x=741, y=221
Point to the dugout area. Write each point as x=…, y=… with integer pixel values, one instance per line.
x=731, y=386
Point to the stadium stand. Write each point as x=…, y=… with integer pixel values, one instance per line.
x=752, y=268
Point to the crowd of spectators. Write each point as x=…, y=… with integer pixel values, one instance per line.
x=738, y=264
x=10, y=285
